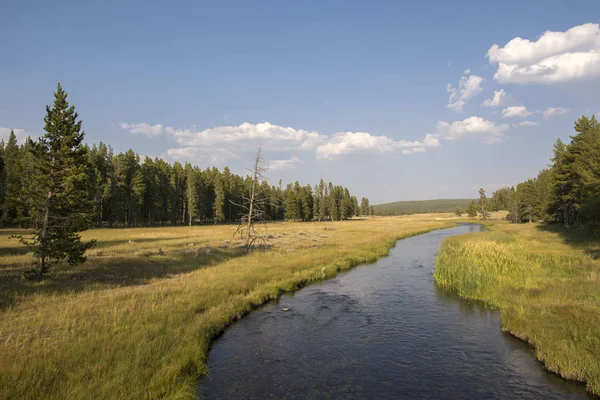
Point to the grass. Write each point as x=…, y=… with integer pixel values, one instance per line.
x=137, y=319
x=545, y=282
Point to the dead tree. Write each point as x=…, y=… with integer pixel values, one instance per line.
x=254, y=207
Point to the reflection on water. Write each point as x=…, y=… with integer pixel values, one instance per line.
x=379, y=331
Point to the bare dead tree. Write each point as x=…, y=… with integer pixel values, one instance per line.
x=254, y=207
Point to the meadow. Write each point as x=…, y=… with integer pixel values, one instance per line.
x=136, y=320
x=546, y=284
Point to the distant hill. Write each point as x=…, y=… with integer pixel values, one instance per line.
x=421, y=206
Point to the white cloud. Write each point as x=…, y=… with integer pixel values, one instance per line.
x=552, y=112
x=472, y=126
x=467, y=71
x=214, y=155
x=467, y=89
x=142, y=128
x=20, y=134
x=350, y=142
x=498, y=100
x=414, y=150
x=515, y=112
x=273, y=137
x=554, y=57
x=527, y=123
x=223, y=139
x=284, y=164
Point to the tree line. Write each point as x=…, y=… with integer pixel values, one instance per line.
x=124, y=190
x=568, y=191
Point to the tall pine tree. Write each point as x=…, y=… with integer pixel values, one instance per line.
x=61, y=195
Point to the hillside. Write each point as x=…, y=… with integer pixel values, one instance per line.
x=421, y=206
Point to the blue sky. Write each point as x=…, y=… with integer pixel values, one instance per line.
x=385, y=97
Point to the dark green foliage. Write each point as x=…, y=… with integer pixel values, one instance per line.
x=483, y=210
x=502, y=199
x=472, y=209
x=364, y=207
x=568, y=192
x=528, y=201
x=421, y=206
x=58, y=197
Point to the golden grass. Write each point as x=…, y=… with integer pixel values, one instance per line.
x=136, y=321
x=546, y=284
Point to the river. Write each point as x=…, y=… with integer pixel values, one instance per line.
x=379, y=331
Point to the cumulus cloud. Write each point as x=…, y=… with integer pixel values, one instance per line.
x=142, y=128
x=552, y=112
x=472, y=126
x=214, y=155
x=20, y=134
x=467, y=89
x=515, y=112
x=555, y=57
x=273, y=137
x=467, y=71
x=284, y=164
x=498, y=100
x=350, y=142
x=528, y=123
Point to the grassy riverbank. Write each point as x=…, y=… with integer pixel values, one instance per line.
x=136, y=321
x=545, y=283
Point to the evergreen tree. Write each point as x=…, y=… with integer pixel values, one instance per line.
x=472, y=209
x=364, y=206
x=483, y=204
x=191, y=193
x=291, y=205
x=12, y=181
x=528, y=200
x=458, y=211
x=219, y=204
x=62, y=193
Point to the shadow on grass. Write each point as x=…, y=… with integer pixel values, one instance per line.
x=109, y=272
x=586, y=240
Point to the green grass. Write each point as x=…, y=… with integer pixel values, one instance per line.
x=421, y=206
x=133, y=322
x=546, y=283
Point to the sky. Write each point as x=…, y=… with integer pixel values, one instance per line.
x=397, y=100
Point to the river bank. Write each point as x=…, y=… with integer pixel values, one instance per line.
x=137, y=319
x=546, y=284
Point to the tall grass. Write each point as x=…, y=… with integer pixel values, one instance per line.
x=546, y=285
x=136, y=322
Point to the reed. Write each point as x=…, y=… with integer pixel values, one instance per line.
x=546, y=284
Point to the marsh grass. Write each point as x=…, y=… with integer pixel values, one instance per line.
x=136, y=322
x=546, y=284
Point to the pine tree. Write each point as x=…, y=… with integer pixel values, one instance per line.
x=191, y=193
x=291, y=206
x=458, y=211
x=62, y=193
x=472, y=209
x=483, y=204
x=529, y=204
x=219, y=204
x=12, y=180
x=364, y=206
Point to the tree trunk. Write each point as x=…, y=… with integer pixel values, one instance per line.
x=41, y=266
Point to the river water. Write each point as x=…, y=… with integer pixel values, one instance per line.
x=379, y=331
